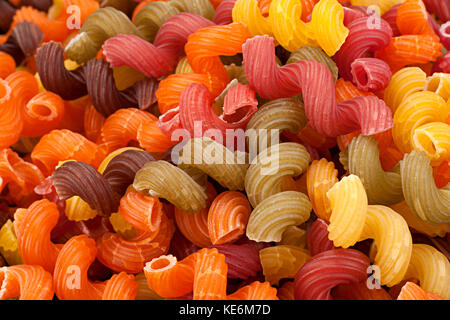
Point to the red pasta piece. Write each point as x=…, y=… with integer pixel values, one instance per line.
x=352, y=13
x=255, y=291
x=359, y=291
x=390, y=17
x=157, y=59
x=70, y=278
x=93, y=123
x=131, y=255
x=324, y=271
x=142, y=212
x=205, y=45
x=151, y=138
x=445, y=34
x=120, y=129
x=442, y=64
x=312, y=79
x=370, y=74
x=223, y=13
x=318, y=238
x=43, y=113
x=121, y=286
x=242, y=260
x=362, y=38
x=440, y=8
x=227, y=217
x=7, y=65
x=33, y=229
x=26, y=282
x=61, y=145
x=181, y=247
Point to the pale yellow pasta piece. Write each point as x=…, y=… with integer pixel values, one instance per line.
x=78, y=210
x=8, y=244
x=434, y=139
x=439, y=83
x=294, y=236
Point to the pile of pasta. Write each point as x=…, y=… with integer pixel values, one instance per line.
x=114, y=114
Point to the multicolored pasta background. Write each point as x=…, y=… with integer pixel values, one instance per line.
x=225, y=150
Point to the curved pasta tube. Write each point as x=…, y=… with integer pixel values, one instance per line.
x=70, y=278
x=33, y=228
x=318, y=238
x=320, y=177
x=255, y=291
x=226, y=167
x=370, y=74
x=426, y=201
x=228, y=217
x=242, y=259
x=294, y=236
x=393, y=242
x=77, y=209
x=143, y=291
x=154, y=177
x=403, y=83
x=8, y=244
x=121, y=286
x=152, y=139
x=433, y=139
x=281, y=262
x=439, y=83
x=411, y=291
x=194, y=226
x=431, y=268
x=270, y=218
x=412, y=18
x=364, y=161
x=268, y=168
x=27, y=282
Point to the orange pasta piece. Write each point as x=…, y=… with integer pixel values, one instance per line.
x=310, y=136
x=61, y=145
x=227, y=217
x=120, y=129
x=412, y=18
x=210, y=279
x=85, y=7
x=321, y=176
x=286, y=291
x=7, y=65
x=442, y=174
x=26, y=282
x=10, y=117
x=169, y=278
x=33, y=234
x=288, y=183
x=345, y=90
x=121, y=286
x=411, y=291
x=70, y=278
x=42, y=114
x=255, y=291
x=74, y=111
x=93, y=123
x=142, y=212
x=151, y=138
x=344, y=140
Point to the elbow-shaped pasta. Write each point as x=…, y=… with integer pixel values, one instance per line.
x=426, y=201
x=143, y=291
x=93, y=122
x=314, y=53
x=101, y=25
x=8, y=244
x=320, y=177
x=439, y=83
x=270, y=218
x=267, y=169
x=294, y=236
x=393, y=243
x=70, y=278
x=226, y=167
x=370, y=74
x=194, y=226
x=411, y=291
x=349, y=204
x=142, y=212
x=130, y=255
x=418, y=224
x=434, y=140
x=27, y=282
x=364, y=161
x=248, y=12
x=242, y=260
x=318, y=238
x=43, y=113
x=431, y=268
x=152, y=139
x=228, y=217
x=415, y=110
x=345, y=90
x=76, y=178
x=254, y=291
x=162, y=179
x=403, y=83
x=121, y=286
x=170, y=278
x=11, y=123
x=282, y=262
x=33, y=229
x=412, y=18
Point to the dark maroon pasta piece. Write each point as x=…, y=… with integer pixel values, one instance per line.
x=324, y=271
x=145, y=92
x=42, y=5
x=7, y=13
x=121, y=170
x=76, y=178
x=318, y=238
x=441, y=8
x=242, y=260
x=181, y=247
x=23, y=41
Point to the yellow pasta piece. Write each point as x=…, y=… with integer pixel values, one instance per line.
x=434, y=139
x=270, y=219
x=416, y=110
x=349, y=204
x=404, y=83
x=270, y=166
x=439, y=83
x=121, y=226
x=78, y=210
x=183, y=66
x=431, y=268
x=8, y=244
x=393, y=242
x=282, y=262
x=247, y=12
